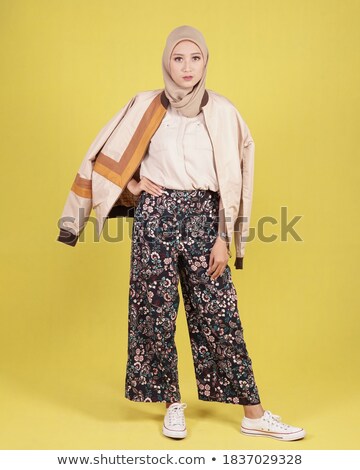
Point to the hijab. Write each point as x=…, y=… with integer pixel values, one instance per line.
x=186, y=102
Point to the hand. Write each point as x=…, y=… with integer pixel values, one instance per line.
x=219, y=257
x=136, y=187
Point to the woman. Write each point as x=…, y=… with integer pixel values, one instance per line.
x=179, y=233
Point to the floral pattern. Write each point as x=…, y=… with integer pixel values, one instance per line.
x=172, y=238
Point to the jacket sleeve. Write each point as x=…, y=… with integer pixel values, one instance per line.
x=242, y=224
x=78, y=204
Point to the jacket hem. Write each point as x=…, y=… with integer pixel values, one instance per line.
x=67, y=237
x=121, y=211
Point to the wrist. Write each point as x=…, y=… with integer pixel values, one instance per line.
x=131, y=184
x=223, y=236
x=225, y=239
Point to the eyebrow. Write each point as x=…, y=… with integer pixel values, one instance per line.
x=193, y=53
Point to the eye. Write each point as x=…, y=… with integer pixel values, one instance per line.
x=197, y=57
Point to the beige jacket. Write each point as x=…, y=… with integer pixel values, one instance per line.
x=101, y=180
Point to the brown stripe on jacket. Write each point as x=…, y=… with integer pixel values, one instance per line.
x=121, y=172
x=82, y=187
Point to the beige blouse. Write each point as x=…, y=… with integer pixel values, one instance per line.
x=180, y=154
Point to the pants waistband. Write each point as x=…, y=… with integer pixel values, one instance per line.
x=187, y=191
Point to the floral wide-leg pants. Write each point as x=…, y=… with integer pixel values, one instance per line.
x=172, y=238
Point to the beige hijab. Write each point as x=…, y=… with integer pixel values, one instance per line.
x=187, y=102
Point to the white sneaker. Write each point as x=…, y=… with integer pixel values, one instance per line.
x=174, y=421
x=270, y=425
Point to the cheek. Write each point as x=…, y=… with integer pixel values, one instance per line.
x=176, y=67
x=198, y=69
x=176, y=71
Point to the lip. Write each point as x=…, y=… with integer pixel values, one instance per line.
x=190, y=77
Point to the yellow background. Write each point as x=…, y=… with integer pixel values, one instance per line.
x=292, y=70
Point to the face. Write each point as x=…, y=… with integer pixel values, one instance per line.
x=186, y=61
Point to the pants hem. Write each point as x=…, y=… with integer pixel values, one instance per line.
x=242, y=401
x=149, y=400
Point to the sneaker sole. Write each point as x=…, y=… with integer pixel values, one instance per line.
x=177, y=434
x=282, y=437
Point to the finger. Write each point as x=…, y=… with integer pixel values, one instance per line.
x=155, y=191
x=154, y=186
x=211, y=261
x=214, y=269
x=151, y=186
x=150, y=189
x=214, y=266
x=216, y=272
x=220, y=271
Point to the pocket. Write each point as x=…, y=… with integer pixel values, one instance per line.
x=165, y=136
x=138, y=204
x=197, y=137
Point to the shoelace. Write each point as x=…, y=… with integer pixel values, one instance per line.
x=276, y=418
x=176, y=415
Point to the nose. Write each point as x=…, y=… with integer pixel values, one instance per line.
x=187, y=67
